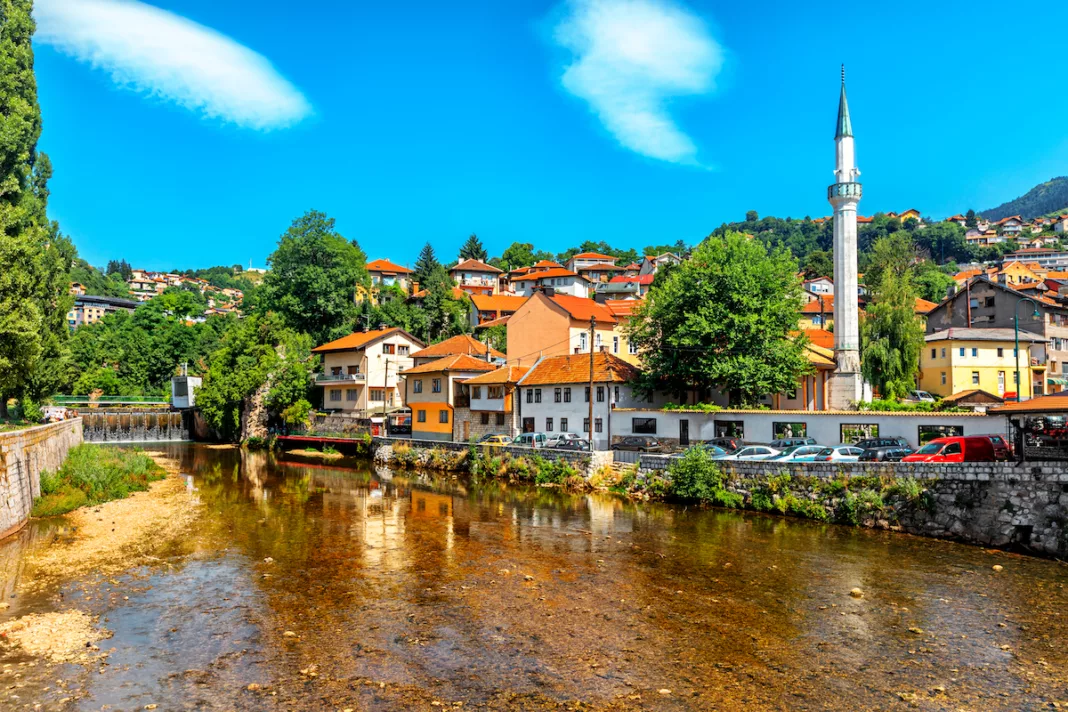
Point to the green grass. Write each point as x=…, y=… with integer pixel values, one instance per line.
x=93, y=474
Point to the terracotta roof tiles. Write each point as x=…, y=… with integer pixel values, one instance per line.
x=462, y=344
x=475, y=266
x=360, y=339
x=386, y=266
x=507, y=374
x=575, y=368
x=459, y=362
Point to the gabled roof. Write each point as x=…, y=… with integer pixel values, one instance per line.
x=459, y=362
x=475, y=266
x=499, y=321
x=819, y=337
x=507, y=374
x=497, y=302
x=1004, y=334
x=593, y=256
x=548, y=274
x=386, y=266
x=954, y=218
x=462, y=344
x=1057, y=403
x=582, y=309
x=362, y=339
x=1017, y=218
x=976, y=395
x=645, y=279
x=819, y=305
x=601, y=268
x=575, y=368
x=622, y=307
x=457, y=293
x=923, y=306
x=543, y=264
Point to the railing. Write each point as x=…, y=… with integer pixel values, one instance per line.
x=340, y=377
x=844, y=190
x=110, y=400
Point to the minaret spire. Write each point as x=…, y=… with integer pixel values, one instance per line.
x=845, y=127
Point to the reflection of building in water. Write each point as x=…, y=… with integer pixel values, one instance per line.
x=430, y=504
x=380, y=525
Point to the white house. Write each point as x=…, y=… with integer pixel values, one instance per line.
x=652, y=264
x=820, y=287
x=361, y=370
x=589, y=259
x=561, y=281
x=1060, y=224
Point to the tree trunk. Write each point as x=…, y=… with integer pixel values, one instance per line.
x=3, y=407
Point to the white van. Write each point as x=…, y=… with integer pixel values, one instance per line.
x=531, y=440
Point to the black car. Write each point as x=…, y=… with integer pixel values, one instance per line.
x=580, y=445
x=891, y=453
x=638, y=443
x=883, y=442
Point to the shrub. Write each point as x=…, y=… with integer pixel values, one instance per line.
x=93, y=474
x=695, y=476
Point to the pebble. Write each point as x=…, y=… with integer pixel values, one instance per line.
x=268, y=560
x=664, y=691
x=289, y=634
x=998, y=567
x=856, y=593
x=252, y=687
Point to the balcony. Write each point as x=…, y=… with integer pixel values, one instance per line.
x=340, y=378
x=844, y=190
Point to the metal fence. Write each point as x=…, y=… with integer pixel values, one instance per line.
x=628, y=456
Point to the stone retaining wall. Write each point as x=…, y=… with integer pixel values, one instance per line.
x=986, y=503
x=585, y=462
x=23, y=455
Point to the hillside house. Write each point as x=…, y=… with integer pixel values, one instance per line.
x=360, y=371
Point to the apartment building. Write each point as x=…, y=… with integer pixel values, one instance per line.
x=476, y=277
x=360, y=372
x=556, y=279
x=958, y=360
x=559, y=325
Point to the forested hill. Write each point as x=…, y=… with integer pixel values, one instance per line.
x=1044, y=198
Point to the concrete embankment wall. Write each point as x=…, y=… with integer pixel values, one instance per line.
x=24, y=454
x=585, y=462
x=984, y=503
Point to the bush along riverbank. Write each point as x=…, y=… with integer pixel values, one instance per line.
x=94, y=474
x=870, y=501
x=482, y=462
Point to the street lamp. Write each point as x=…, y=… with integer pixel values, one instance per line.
x=1016, y=329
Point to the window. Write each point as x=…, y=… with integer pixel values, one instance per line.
x=403, y=350
x=435, y=385
x=933, y=352
x=962, y=352
x=951, y=449
x=585, y=425
x=548, y=425
x=632, y=348
x=730, y=428
x=351, y=394
x=558, y=395
x=598, y=425
x=567, y=395
x=788, y=430
x=443, y=416
x=927, y=433
x=530, y=395
x=500, y=419
x=1001, y=352
x=563, y=425
x=485, y=418
x=943, y=378
x=855, y=432
x=583, y=344
x=495, y=392
x=643, y=426
x=597, y=341
x=600, y=394
x=616, y=394
x=388, y=349
x=537, y=395
x=354, y=370
x=335, y=394
x=476, y=391
x=975, y=378
x=587, y=391
x=975, y=353
x=335, y=371
x=615, y=344
x=989, y=302
x=943, y=353
x=417, y=386
x=420, y=415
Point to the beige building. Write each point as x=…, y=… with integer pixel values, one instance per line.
x=361, y=371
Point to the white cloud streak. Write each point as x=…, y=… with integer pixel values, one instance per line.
x=630, y=57
x=167, y=56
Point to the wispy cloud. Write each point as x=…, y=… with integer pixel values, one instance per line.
x=630, y=57
x=168, y=56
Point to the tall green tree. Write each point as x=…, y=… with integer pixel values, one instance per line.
x=723, y=318
x=32, y=286
x=891, y=333
x=819, y=263
x=425, y=265
x=473, y=249
x=314, y=276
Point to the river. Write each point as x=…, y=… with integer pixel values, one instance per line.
x=334, y=587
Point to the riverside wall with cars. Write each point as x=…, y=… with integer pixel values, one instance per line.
x=673, y=427
x=996, y=504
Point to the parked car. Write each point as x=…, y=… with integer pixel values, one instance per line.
x=573, y=444
x=921, y=397
x=974, y=448
x=1002, y=446
x=883, y=442
x=839, y=453
x=751, y=452
x=639, y=443
x=885, y=453
x=713, y=450
x=728, y=444
x=784, y=443
x=495, y=439
x=530, y=440
x=558, y=438
x=798, y=453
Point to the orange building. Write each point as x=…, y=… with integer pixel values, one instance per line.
x=433, y=391
x=558, y=326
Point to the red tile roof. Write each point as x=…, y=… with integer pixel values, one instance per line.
x=361, y=338
x=547, y=263
x=1042, y=404
x=820, y=337
x=499, y=321
x=819, y=305
x=386, y=266
x=459, y=362
x=582, y=309
x=475, y=266
x=622, y=307
x=575, y=368
x=457, y=293
x=593, y=256
x=601, y=268
x=497, y=302
x=507, y=374
x=923, y=306
x=644, y=279
x=547, y=274
x=462, y=344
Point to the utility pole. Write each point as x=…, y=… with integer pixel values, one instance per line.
x=385, y=388
x=593, y=324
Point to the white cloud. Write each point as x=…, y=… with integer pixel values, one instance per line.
x=630, y=58
x=167, y=56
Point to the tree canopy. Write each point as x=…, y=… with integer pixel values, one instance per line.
x=473, y=250
x=723, y=318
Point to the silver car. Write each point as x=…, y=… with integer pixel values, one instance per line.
x=751, y=452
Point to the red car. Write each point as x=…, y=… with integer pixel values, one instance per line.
x=974, y=448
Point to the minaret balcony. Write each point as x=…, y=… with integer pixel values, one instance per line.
x=844, y=190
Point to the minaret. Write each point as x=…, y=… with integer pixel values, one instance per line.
x=844, y=196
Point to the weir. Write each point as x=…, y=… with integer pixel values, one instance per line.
x=134, y=426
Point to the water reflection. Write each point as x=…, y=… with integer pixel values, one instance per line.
x=400, y=590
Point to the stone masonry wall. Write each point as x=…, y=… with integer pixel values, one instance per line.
x=985, y=503
x=585, y=462
x=24, y=454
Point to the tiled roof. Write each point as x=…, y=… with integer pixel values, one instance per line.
x=547, y=264
x=644, y=279
x=499, y=321
x=547, y=274
x=462, y=344
x=386, y=266
x=820, y=337
x=819, y=356
x=622, y=307
x=582, y=309
x=497, y=302
x=981, y=334
x=819, y=305
x=575, y=368
x=593, y=256
x=1043, y=404
x=632, y=266
x=601, y=268
x=457, y=293
x=475, y=266
x=459, y=362
x=1006, y=220
x=361, y=338
x=923, y=306
x=507, y=374
x=971, y=393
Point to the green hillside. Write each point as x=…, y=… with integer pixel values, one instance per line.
x=1046, y=198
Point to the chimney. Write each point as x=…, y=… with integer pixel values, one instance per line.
x=383, y=326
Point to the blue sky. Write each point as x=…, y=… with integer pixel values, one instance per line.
x=631, y=121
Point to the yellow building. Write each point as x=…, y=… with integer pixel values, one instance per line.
x=957, y=360
x=432, y=391
x=1018, y=273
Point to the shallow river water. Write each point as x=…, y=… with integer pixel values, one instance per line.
x=401, y=591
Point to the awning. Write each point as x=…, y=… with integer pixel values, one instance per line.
x=1057, y=381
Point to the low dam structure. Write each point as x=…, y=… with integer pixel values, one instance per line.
x=135, y=425
x=24, y=454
